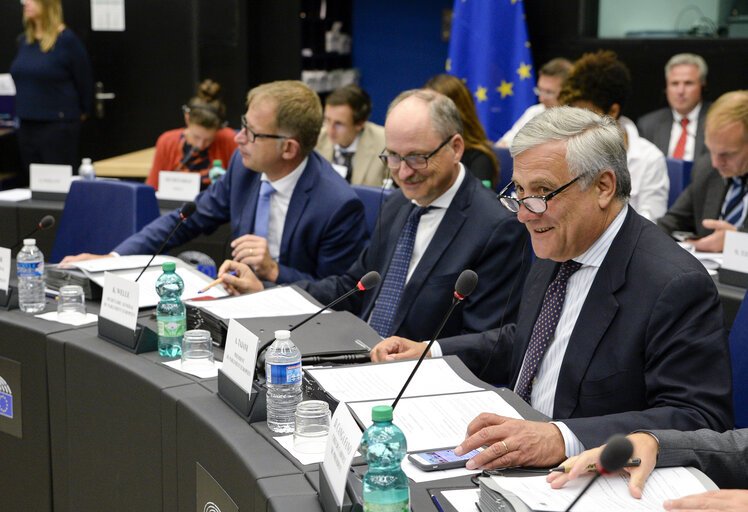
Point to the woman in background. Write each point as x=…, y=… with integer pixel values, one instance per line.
x=478, y=158
x=54, y=87
x=204, y=139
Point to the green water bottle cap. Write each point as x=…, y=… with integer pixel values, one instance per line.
x=168, y=266
x=381, y=413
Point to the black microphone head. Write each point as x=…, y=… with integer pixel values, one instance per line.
x=370, y=280
x=46, y=222
x=616, y=453
x=188, y=209
x=465, y=284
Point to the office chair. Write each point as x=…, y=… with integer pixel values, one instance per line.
x=679, y=172
x=372, y=197
x=739, y=358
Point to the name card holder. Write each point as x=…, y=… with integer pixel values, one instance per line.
x=352, y=501
x=734, y=269
x=253, y=406
x=9, y=298
x=118, y=316
x=138, y=341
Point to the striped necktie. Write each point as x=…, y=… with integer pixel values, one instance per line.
x=732, y=209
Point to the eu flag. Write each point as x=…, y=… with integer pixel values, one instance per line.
x=490, y=51
x=6, y=405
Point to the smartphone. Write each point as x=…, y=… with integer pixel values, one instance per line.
x=682, y=236
x=441, y=459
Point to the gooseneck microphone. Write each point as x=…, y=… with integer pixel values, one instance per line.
x=186, y=158
x=616, y=453
x=466, y=283
x=45, y=222
x=185, y=212
x=369, y=281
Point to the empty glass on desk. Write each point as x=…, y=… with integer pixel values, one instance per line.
x=71, y=303
x=312, y=426
x=197, y=350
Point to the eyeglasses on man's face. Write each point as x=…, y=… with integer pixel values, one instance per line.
x=534, y=204
x=415, y=162
x=545, y=93
x=251, y=136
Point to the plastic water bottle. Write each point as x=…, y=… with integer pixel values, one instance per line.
x=86, y=170
x=30, y=267
x=283, y=375
x=383, y=445
x=216, y=171
x=170, y=312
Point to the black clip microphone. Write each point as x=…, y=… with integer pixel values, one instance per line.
x=369, y=281
x=466, y=283
x=186, y=158
x=185, y=212
x=616, y=453
x=45, y=222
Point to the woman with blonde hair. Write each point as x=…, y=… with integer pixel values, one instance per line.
x=54, y=86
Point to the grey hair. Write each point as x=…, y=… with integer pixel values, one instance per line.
x=594, y=143
x=445, y=118
x=691, y=59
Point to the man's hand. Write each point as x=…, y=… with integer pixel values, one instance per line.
x=716, y=241
x=512, y=442
x=253, y=250
x=727, y=499
x=645, y=448
x=244, y=281
x=83, y=257
x=396, y=348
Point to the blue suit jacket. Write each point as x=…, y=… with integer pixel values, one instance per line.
x=324, y=232
x=476, y=233
x=648, y=349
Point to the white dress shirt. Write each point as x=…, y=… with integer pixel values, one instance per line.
x=650, y=183
x=677, y=129
x=279, y=202
x=532, y=111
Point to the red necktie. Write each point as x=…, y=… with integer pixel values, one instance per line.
x=680, y=148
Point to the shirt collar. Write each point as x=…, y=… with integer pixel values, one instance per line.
x=444, y=200
x=693, y=115
x=595, y=255
x=285, y=185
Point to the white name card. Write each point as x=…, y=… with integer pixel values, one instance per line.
x=119, y=301
x=735, y=255
x=342, y=443
x=50, y=178
x=239, y=355
x=4, y=268
x=180, y=186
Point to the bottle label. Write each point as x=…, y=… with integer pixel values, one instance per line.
x=172, y=327
x=283, y=373
x=29, y=269
x=400, y=506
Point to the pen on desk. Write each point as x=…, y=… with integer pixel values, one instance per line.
x=592, y=467
x=436, y=503
x=217, y=281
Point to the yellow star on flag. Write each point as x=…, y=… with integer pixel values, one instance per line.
x=448, y=65
x=480, y=94
x=505, y=89
x=524, y=70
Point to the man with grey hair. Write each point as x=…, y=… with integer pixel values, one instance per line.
x=616, y=320
x=679, y=130
x=440, y=222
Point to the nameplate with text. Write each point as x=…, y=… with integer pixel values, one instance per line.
x=179, y=186
x=50, y=178
x=119, y=301
x=342, y=443
x=735, y=255
x=239, y=355
x=4, y=268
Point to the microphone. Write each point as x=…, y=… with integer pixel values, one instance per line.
x=45, y=222
x=369, y=281
x=186, y=158
x=616, y=453
x=337, y=359
x=185, y=212
x=466, y=283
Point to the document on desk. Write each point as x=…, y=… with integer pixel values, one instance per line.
x=278, y=301
x=609, y=493
x=137, y=261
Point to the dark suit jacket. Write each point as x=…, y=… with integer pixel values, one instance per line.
x=648, y=350
x=722, y=456
x=324, y=232
x=656, y=126
x=476, y=233
x=702, y=199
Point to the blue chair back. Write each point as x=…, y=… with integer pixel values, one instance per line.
x=100, y=214
x=679, y=172
x=372, y=197
x=506, y=164
x=739, y=357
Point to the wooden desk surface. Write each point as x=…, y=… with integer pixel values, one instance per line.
x=130, y=165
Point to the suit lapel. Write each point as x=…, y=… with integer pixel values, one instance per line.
x=247, y=219
x=699, y=141
x=296, y=207
x=663, y=135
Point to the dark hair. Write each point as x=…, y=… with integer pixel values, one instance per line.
x=355, y=97
x=599, y=78
x=556, y=67
x=206, y=109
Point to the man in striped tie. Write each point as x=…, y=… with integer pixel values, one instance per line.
x=716, y=200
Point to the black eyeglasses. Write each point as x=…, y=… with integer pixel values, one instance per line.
x=415, y=162
x=251, y=136
x=534, y=204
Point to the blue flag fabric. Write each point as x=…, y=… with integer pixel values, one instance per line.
x=490, y=51
x=6, y=405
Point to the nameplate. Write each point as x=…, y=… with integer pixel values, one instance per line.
x=342, y=443
x=179, y=186
x=4, y=268
x=735, y=255
x=119, y=301
x=50, y=178
x=239, y=355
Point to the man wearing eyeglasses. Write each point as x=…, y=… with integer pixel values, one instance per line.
x=618, y=329
x=441, y=222
x=292, y=216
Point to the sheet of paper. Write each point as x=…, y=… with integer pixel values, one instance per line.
x=88, y=318
x=15, y=194
x=203, y=373
x=609, y=493
x=279, y=301
x=380, y=381
x=418, y=475
x=462, y=499
x=439, y=421
x=122, y=263
x=342, y=442
x=303, y=458
x=5, y=268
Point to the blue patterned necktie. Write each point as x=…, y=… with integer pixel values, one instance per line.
x=545, y=328
x=262, y=214
x=394, y=281
x=732, y=209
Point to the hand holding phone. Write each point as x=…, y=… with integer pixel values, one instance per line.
x=441, y=459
